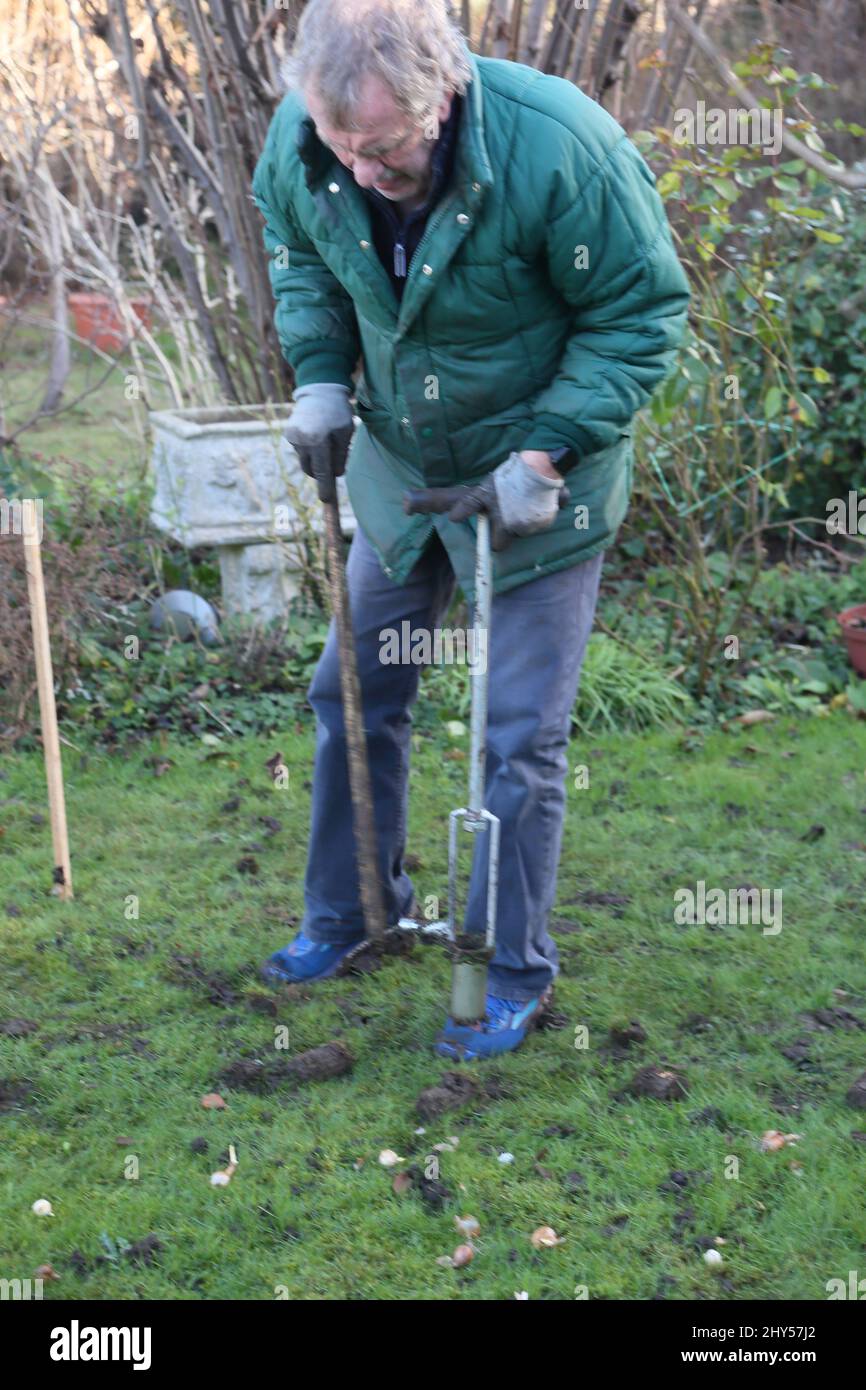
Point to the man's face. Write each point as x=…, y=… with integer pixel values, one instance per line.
x=387, y=152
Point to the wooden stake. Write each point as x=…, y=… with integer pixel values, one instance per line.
x=47, y=707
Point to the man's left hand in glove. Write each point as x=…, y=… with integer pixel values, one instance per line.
x=522, y=496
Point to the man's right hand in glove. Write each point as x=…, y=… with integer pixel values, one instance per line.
x=519, y=499
x=320, y=431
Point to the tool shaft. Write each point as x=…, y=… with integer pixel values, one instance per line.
x=372, y=899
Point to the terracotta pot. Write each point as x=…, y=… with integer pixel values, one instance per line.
x=855, y=637
x=98, y=321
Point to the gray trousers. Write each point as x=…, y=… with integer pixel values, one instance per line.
x=537, y=641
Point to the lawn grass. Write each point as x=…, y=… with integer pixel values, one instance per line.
x=97, y=424
x=128, y=1041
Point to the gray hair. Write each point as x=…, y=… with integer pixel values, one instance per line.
x=413, y=46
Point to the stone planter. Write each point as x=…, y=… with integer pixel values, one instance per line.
x=227, y=477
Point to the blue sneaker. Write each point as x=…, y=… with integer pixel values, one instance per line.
x=304, y=960
x=504, y=1027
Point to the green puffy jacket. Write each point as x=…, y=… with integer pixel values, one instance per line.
x=542, y=306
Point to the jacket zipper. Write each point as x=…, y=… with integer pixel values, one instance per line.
x=400, y=260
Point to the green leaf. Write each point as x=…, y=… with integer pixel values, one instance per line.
x=832, y=237
x=821, y=375
x=726, y=188
x=816, y=322
x=813, y=140
x=772, y=403
x=669, y=182
x=807, y=410
x=815, y=214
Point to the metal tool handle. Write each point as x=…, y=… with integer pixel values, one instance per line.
x=479, y=675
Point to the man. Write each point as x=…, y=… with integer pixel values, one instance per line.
x=491, y=246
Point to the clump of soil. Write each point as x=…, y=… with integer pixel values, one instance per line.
x=262, y=1004
x=822, y=1020
x=13, y=1092
x=454, y=1089
x=17, y=1027
x=856, y=1094
x=697, y=1023
x=430, y=1190
x=140, y=1252
x=799, y=1053
x=144, y=1251
x=190, y=972
x=633, y=1032
x=658, y=1083
x=710, y=1115
x=367, y=958
x=319, y=1064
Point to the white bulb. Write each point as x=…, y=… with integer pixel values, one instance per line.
x=506, y=1158
x=388, y=1158
x=42, y=1208
x=712, y=1257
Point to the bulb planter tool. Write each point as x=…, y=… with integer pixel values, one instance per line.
x=470, y=951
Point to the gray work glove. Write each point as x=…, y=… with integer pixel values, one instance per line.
x=320, y=430
x=518, y=500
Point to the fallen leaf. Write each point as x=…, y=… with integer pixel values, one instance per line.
x=213, y=1101
x=462, y=1255
x=402, y=1182
x=46, y=1272
x=755, y=716
x=773, y=1139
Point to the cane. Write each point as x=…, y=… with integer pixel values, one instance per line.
x=47, y=707
x=366, y=850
